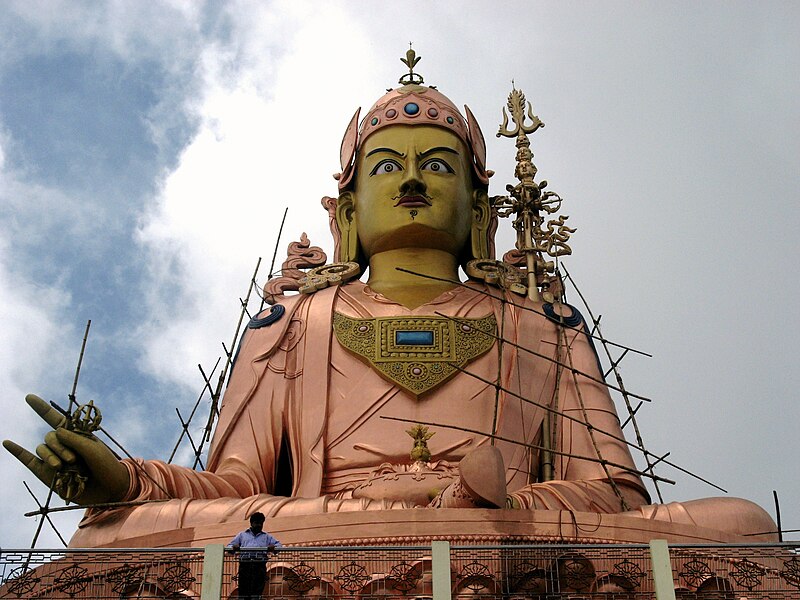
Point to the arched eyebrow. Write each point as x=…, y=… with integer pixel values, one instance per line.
x=437, y=149
x=389, y=150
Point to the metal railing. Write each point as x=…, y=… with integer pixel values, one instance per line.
x=101, y=573
x=440, y=571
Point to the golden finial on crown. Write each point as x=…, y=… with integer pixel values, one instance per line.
x=411, y=61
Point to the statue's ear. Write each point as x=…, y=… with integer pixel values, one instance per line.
x=481, y=220
x=346, y=220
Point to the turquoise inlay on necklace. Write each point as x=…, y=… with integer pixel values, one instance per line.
x=413, y=338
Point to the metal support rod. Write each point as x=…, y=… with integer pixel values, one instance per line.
x=626, y=396
x=621, y=439
x=95, y=505
x=519, y=306
x=196, y=405
x=45, y=508
x=552, y=411
x=71, y=396
x=528, y=445
x=217, y=393
x=499, y=364
x=195, y=449
x=778, y=515
x=274, y=255
x=555, y=361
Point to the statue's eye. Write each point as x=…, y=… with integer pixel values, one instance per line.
x=436, y=165
x=387, y=165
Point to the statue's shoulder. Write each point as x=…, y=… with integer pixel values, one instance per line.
x=532, y=313
x=266, y=330
x=278, y=312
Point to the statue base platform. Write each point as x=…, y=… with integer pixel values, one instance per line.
x=576, y=555
x=459, y=526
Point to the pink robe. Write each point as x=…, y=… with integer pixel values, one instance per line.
x=300, y=423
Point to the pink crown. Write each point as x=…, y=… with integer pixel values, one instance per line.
x=412, y=104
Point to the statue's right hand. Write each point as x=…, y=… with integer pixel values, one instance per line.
x=107, y=479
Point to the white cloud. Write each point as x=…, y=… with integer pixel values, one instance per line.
x=257, y=150
x=34, y=357
x=125, y=27
x=31, y=306
x=32, y=352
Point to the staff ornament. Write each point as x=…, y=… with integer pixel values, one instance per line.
x=529, y=205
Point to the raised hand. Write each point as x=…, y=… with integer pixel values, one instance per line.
x=78, y=455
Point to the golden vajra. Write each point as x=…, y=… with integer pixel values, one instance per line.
x=70, y=482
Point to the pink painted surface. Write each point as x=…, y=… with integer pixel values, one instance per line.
x=295, y=387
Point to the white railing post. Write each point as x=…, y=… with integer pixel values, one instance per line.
x=662, y=570
x=213, y=561
x=440, y=565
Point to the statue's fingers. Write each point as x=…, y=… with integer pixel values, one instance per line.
x=51, y=416
x=59, y=449
x=106, y=469
x=36, y=466
x=93, y=451
x=18, y=451
x=49, y=457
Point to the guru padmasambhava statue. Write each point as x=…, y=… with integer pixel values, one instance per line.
x=507, y=383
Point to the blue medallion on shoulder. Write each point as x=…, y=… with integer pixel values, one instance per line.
x=275, y=313
x=575, y=319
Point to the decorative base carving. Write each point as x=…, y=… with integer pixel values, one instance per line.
x=412, y=483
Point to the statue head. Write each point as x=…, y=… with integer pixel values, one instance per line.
x=413, y=174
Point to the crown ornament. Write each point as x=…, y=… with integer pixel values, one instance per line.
x=411, y=61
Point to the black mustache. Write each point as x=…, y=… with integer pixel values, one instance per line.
x=401, y=198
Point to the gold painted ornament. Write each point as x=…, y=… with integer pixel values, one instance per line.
x=416, y=353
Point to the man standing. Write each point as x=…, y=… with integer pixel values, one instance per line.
x=253, y=564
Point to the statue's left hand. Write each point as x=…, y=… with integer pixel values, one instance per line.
x=481, y=482
x=107, y=479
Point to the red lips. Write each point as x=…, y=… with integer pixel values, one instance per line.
x=412, y=201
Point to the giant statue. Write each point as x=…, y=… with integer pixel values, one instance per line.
x=495, y=378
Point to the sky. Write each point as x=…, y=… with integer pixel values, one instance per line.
x=148, y=151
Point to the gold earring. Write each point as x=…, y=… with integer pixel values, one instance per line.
x=480, y=225
x=346, y=220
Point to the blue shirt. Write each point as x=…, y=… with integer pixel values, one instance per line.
x=248, y=539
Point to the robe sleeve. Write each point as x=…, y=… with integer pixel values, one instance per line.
x=580, y=481
x=257, y=418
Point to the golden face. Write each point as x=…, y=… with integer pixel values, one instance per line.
x=413, y=188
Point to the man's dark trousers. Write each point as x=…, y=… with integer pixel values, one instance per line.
x=252, y=577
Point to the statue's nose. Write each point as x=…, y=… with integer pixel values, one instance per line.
x=412, y=181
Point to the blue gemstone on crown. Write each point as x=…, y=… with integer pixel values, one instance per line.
x=374, y=121
x=411, y=108
x=450, y=120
